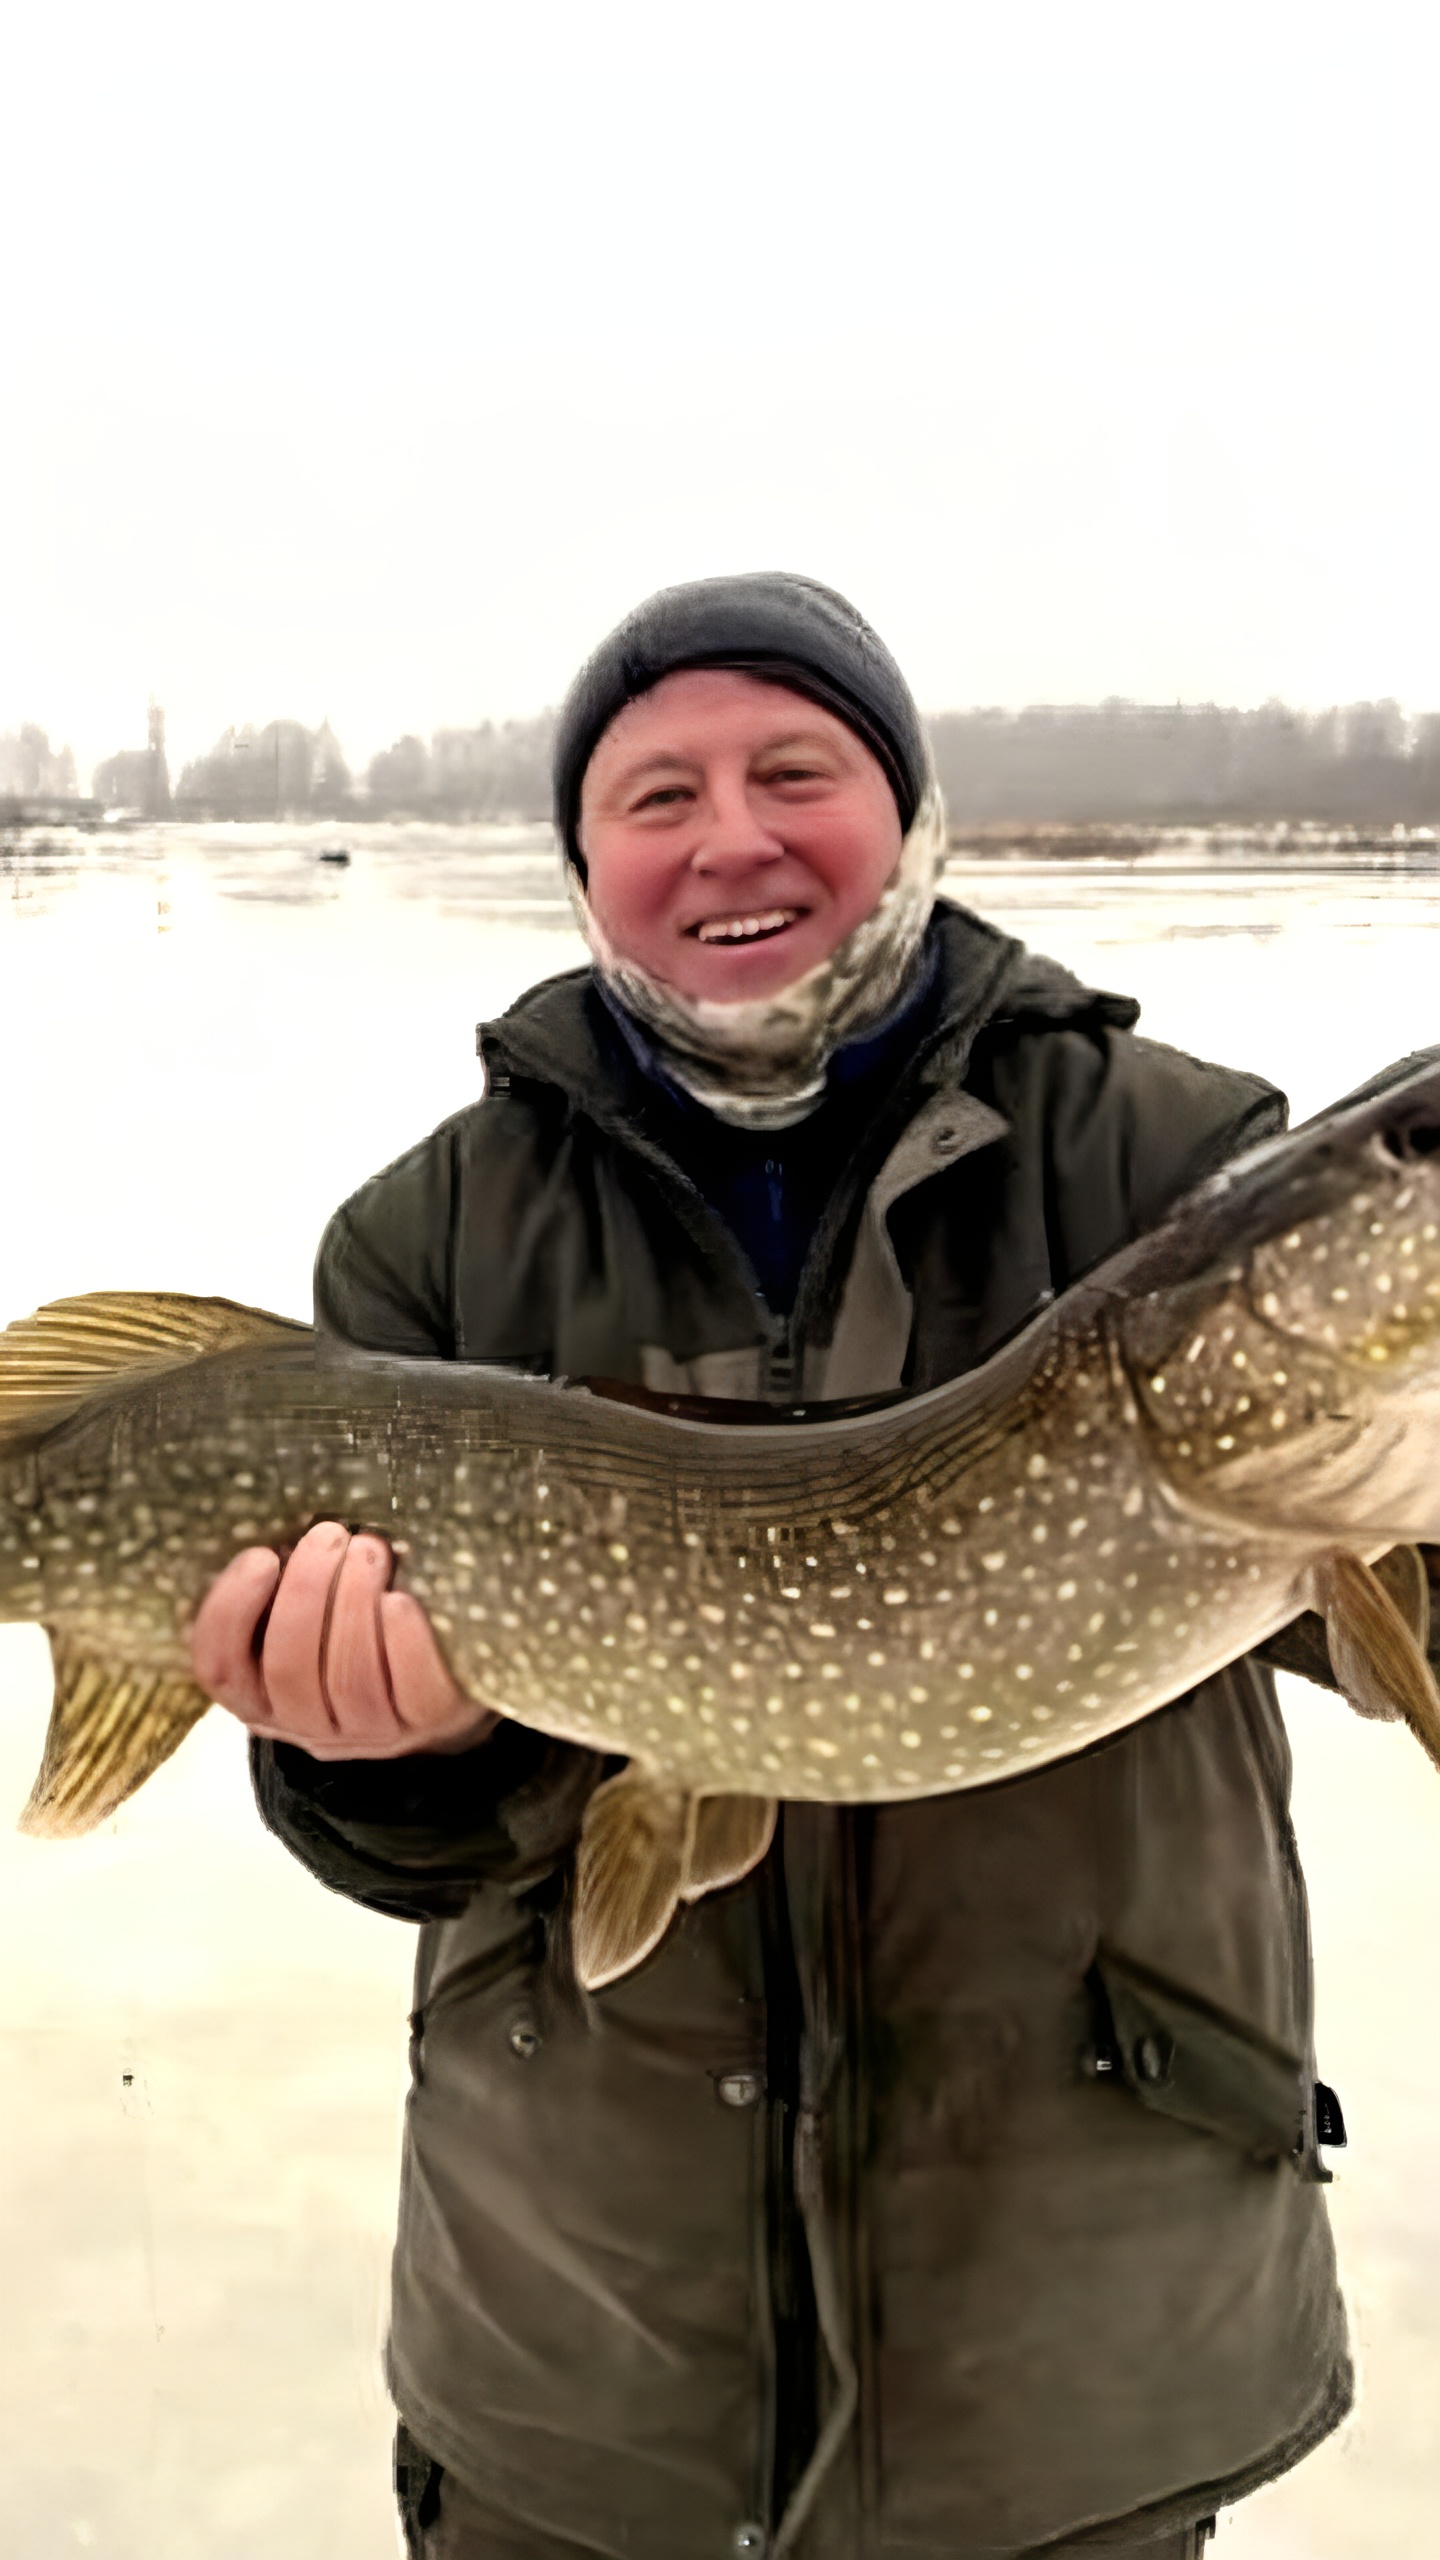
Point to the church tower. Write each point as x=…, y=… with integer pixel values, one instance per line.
x=157, y=771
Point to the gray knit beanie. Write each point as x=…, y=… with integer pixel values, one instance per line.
x=769, y=624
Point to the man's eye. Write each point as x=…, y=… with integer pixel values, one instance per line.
x=665, y=796
x=795, y=773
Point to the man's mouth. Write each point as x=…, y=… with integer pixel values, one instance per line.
x=754, y=928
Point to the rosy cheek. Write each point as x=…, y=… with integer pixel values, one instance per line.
x=628, y=889
x=855, y=870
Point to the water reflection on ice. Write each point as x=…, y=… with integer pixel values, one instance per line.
x=207, y=1037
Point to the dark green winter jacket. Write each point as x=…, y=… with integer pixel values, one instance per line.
x=955, y=2174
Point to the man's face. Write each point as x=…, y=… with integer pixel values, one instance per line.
x=733, y=833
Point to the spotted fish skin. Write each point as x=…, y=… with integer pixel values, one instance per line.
x=939, y=1595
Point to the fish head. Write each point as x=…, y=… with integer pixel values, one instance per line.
x=1295, y=1384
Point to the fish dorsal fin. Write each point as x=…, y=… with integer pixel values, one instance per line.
x=51, y=1361
x=109, y=1731
x=628, y=1873
x=1375, y=1646
x=728, y=1836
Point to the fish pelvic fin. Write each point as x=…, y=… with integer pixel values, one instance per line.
x=109, y=1731
x=728, y=1836
x=629, y=1870
x=645, y=1849
x=1402, y=1573
x=52, y=1361
x=1376, y=1622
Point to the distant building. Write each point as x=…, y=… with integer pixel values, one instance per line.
x=139, y=777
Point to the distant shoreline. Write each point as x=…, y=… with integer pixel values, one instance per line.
x=1299, y=840
x=34, y=829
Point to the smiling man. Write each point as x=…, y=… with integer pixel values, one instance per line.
x=920, y=2195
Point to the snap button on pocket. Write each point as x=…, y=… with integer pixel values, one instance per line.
x=740, y=2089
x=748, y=2540
x=945, y=1140
x=524, y=2039
x=1152, y=2059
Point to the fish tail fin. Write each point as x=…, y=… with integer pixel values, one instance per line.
x=1376, y=1626
x=109, y=1731
x=629, y=1871
x=728, y=1836
x=53, y=1361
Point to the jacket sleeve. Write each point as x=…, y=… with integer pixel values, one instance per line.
x=1182, y=1118
x=1116, y=1128
x=414, y=1836
x=383, y=1271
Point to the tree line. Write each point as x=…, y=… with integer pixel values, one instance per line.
x=1115, y=763
x=500, y=770
x=1366, y=764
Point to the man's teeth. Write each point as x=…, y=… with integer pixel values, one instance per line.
x=745, y=928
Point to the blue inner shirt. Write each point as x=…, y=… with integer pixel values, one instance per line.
x=772, y=1186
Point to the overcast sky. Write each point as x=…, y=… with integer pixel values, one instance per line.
x=369, y=362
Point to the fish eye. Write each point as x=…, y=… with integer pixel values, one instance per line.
x=1405, y=1143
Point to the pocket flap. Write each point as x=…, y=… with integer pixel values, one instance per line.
x=1185, y=2057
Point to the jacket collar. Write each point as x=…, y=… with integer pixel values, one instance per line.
x=559, y=1033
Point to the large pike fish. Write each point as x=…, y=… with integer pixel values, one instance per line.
x=1226, y=1424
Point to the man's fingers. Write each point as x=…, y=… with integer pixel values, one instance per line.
x=356, y=1681
x=290, y=1663
x=428, y=1700
x=347, y=1668
x=222, y=1640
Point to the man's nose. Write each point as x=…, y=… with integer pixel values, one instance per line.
x=733, y=835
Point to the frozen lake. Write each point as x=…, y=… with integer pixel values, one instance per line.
x=208, y=1037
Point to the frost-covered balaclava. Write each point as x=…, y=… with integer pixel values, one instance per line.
x=760, y=1063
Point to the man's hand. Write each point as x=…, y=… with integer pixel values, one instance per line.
x=347, y=1668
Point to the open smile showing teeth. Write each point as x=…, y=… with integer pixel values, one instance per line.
x=746, y=928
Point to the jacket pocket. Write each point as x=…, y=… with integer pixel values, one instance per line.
x=510, y=1966
x=1184, y=2057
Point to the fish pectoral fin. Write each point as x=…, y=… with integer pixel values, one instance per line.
x=109, y=1731
x=51, y=1361
x=1402, y=1573
x=628, y=1873
x=728, y=1836
x=1374, y=1653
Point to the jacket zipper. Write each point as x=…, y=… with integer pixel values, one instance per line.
x=792, y=2324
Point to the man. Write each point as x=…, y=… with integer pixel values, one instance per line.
x=922, y=2194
